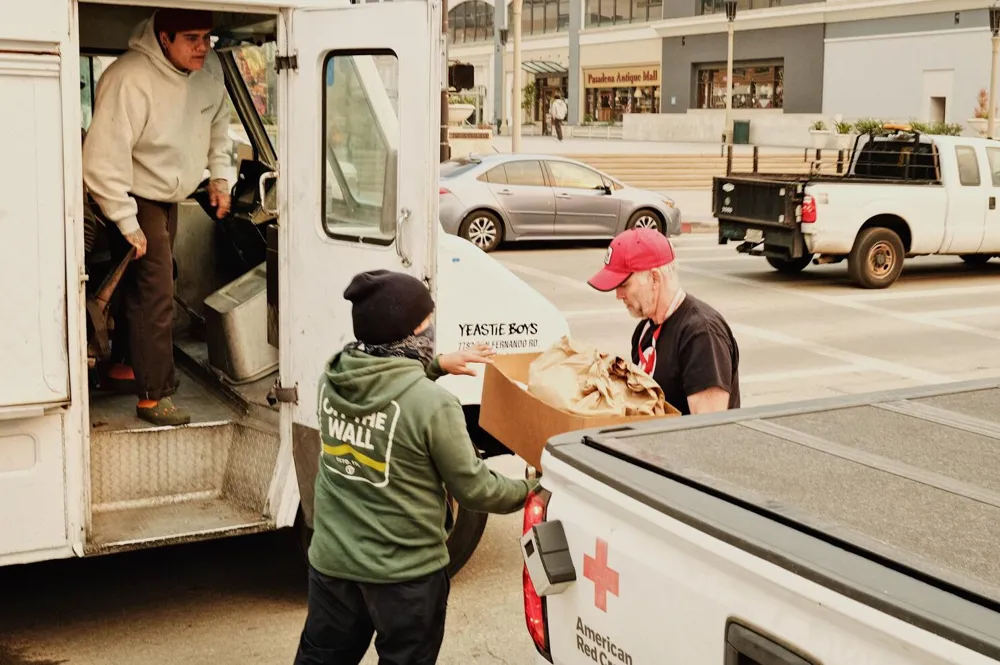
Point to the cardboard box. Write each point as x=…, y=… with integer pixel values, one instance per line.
x=524, y=423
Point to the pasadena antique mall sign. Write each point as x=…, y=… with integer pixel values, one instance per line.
x=622, y=77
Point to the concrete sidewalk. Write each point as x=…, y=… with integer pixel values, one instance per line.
x=578, y=146
x=696, y=209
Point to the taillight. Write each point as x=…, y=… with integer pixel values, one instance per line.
x=808, y=210
x=535, y=507
x=442, y=191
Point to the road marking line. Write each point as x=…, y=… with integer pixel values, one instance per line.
x=952, y=313
x=919, y=293
x=768, y=377
x=850, y=303
x=553, y=277
x=683, y=260
x=849, y=357
x=588, y=313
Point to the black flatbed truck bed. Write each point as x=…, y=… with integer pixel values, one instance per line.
x=901, y=488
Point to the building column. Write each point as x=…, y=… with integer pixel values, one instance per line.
x=499, y=54
x=575, y=114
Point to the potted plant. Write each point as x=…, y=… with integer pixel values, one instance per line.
x=820, y=134
x=845, y=135
x=460, y=108
x=979, y=123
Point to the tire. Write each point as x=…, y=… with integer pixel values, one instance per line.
x=483, y=229
x=790, y=266
x=646, y=219
x=976, y=259
x=876, y=260
x=464, y=537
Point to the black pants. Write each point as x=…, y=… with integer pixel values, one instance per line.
x=144, y=335
x=407, y=619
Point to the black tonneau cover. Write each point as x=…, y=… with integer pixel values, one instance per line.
x=906, y=477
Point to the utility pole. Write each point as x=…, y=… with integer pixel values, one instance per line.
x=995, y=28
x=515, y=137
x=731, y=18
x=445, y=148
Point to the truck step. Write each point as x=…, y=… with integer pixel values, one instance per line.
x=197, y=519
x=141, y=475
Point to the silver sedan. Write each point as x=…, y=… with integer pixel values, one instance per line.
x=505, y=197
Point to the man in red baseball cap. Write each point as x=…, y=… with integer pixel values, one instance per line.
x=680, y=341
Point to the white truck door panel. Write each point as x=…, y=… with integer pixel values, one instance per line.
x=967, y=201
x=32, y=494
x=358, y=186
x=991, y=235
x=33, y=340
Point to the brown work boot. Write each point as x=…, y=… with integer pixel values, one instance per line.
x=162, y=413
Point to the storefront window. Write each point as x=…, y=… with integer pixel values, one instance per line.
x=541, y=16
x=719, y=6
x=604, y=13
x=471, y=21
x=612, y=104
x=613, y=92
x=754, y=87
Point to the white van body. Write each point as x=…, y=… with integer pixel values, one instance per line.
x=79, y=474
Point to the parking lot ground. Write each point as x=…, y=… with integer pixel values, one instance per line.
x=241, y=601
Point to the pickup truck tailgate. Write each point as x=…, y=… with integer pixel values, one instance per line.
x=764, y=200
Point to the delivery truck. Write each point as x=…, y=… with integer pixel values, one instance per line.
x=336, y=101
x=839, y=531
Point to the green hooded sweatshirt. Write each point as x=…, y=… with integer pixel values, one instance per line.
x=392, y=442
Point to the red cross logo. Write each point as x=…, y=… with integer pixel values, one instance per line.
x=605, y=579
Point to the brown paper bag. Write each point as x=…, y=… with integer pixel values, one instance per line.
x=578, y=378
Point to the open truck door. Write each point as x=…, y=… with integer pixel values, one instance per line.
x=361, y=102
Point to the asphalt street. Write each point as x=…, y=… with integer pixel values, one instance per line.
x=242, y=601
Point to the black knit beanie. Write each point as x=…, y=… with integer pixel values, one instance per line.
x=387, y=306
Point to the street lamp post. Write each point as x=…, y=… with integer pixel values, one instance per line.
x=444, y=148
x=995, y=28
x=731, y=17
x=515, y=136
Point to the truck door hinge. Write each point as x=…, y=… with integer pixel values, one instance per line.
x=279, y=393
x=286, y=62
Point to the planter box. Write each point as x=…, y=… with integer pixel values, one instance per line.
x=820, y=137
x=459, y=113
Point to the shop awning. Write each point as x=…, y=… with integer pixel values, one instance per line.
x=543, y=67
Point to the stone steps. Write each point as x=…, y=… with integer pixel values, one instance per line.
x=694, y=171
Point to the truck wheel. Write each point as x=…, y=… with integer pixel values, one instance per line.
x=464, y=535
x=790, y=266
x=976, y=259
x=876, y=259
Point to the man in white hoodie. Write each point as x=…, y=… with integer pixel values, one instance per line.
x=160, y=119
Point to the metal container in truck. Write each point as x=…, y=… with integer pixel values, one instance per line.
x=855, y=529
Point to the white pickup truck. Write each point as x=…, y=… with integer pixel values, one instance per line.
x=854, y=530
x=903, y=194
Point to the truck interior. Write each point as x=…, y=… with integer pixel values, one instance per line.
x=148, y=483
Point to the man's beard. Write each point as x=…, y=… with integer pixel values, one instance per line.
x=639, y=309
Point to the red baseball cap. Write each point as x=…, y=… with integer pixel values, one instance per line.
x=634, y=250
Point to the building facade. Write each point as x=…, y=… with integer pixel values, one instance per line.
x=659, y=66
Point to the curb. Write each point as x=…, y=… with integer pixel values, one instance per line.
x=698, y=227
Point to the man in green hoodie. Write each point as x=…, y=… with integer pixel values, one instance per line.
x=393, y=442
